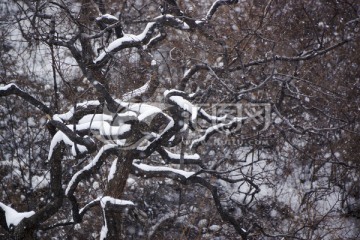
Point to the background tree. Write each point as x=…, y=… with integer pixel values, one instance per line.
x=268, y=141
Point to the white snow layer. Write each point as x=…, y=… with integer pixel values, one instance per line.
x=186, y=156
x=183, y=25
x=107, y=16
x=114, y=201
x=103, y=201
x=89, y=166
x=14, y=217
x=6, y=87
x=136, y=92
x=68, y=115
x=148, y=168
x=60, y=136
x=104, y=128
x=127, y=38
x=112, y=170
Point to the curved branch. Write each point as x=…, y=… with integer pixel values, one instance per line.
x=85, y=172
x=191, y=72
x=142, y=39
x=87, y=142
x=216, y=5
x=306, y=56
x=13, y=89
x=194, y=179
x=127, y=41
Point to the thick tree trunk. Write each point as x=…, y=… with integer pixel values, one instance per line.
x=114, y=214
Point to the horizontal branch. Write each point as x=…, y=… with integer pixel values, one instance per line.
x=175, y=158
x=160, y=171
x=306, y=56
x=219, y=70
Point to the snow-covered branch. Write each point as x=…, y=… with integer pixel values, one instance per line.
x=151, y=171
x=78, y=144
x=109, y=204
x=216, y=5
x=215, y=129
x=145, y=38
x=189, y=178
x=13, y=89
x=13, y=217
x=128, y=40
x=82, y=174
x=175, y=157
x=95, y=163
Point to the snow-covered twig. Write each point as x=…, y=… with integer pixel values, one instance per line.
x=137, y=92
x=214, y=129
x=175, y=157
x=216, y=5
x=96, y=162
x=126, y=41
x=154, y=170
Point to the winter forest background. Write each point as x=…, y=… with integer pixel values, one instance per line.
x=150, y=119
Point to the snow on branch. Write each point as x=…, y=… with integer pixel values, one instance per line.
x=175, y=157
x=175, y=22
x=89, y=205
x=216, y=5
x=147, y=113
x=186, y=156
x=128, y=40
x=107, y=199
x=107, y=17
x=96, y=162
x=142, y=39
x=15, y=90
x=13, y=217
x=112, y=170
x=71, y=138
x=104, y=128
x=61, y=137
x=190, y=72
x=137, y=92
x=178, y=98
x=69, y=115
x=145, y=169
x=104, y=202
x=100, y=201
x=153, y=41
x=214, y=129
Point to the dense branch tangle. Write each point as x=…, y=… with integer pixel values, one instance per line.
x=127, y=130
x=131, y=132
